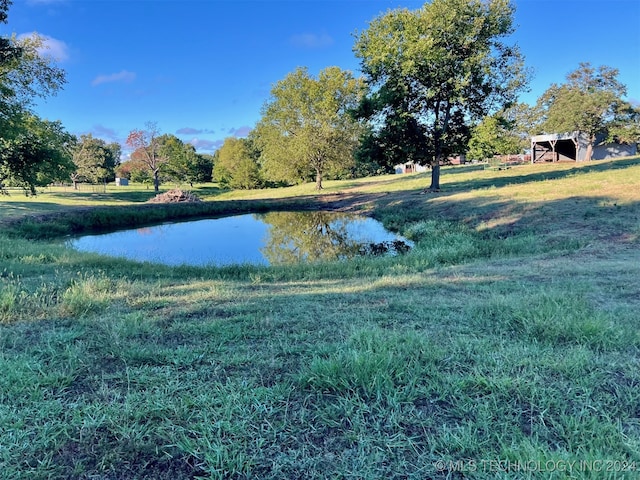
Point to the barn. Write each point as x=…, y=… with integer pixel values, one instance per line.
x=558, y=147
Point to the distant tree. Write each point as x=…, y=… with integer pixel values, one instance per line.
x=172, y=150
x=436, y=70
x=95, y=160
x=590, y=102
x=494, y=135
x=202, y=168
x=183, y=164
x=146, y=146
x=235, y=165
x=306, y=128
x=34, y=152
x=626, y=126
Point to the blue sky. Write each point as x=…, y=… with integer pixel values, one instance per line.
x=202, y=69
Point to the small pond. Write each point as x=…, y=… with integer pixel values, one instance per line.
x=259, y=239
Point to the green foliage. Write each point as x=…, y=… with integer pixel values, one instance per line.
x=625, y=128
x=590, y=102
x=95, y=160
x=306, y=128
x=236, y=166
x=180, y=162
x=34, y=152
x=492, y=136
x=25, y=74
x=433, y=70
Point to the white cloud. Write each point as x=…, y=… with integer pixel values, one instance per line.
x=57, y=49
x=311, y=40
x=123, y=76
x=51, y=47
x=201, y=144
x=105, y=133
x=240, y=132
x=192, y=131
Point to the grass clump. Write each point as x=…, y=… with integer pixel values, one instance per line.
x=556, y=319
x=375, y=363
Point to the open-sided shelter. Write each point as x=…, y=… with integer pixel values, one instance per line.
x=557, y=147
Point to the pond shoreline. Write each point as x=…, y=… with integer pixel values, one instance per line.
x=86, y=219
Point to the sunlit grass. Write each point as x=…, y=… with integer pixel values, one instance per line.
x=509, y=334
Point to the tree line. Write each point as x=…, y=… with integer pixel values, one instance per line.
x=437, y=81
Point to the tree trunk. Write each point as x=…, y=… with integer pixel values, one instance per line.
x=318, y=180
x=589, y=152
x=156, y=181
x=439, y=131
x=435, y=176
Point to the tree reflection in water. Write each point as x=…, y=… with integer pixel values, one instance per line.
x=314, y=236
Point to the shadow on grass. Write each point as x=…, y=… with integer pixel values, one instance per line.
x=120, y=196
x=125, y=195
x=10, y=209
x=578, y=169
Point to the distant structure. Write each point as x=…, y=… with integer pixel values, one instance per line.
x=412, y=167
x=557, y=147
x=122, y=182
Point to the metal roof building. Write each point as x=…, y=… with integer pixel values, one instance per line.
x=558, y=147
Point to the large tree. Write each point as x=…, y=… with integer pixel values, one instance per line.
x=26, y=141
x=437, y=70
x=146, y=149
x=590, y=102
x=95, y=160
x=306, y=127
x=34, y=152
x=182, y=162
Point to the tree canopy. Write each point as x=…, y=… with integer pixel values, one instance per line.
x=236, y=165
x=590, y=102
x=32, y=150
x=181, y=161
x=35, y=152
x=146, y=149
x=432, y=72
x=494, y=135
x=95, y=160
x=306, y=127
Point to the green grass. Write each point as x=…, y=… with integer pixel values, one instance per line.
x=505, y=345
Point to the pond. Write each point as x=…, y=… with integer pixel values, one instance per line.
x=259, y=239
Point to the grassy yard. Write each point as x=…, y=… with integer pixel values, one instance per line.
x=505, y=345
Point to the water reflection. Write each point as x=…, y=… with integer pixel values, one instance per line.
x=267, y=239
